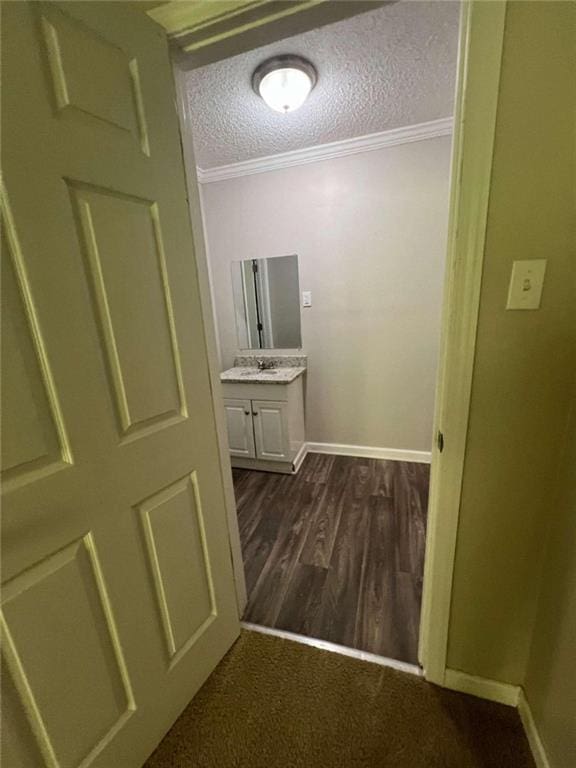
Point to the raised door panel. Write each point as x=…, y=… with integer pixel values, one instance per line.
x=271, y=430
x=173, y=527
x=91, y=77
x=19, y=747
x=33, y=437
x=123, y=248
x=240, y=429
x=64, y=655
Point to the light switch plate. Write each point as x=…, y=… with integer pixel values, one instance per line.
x=306, y=298
x=526, y=281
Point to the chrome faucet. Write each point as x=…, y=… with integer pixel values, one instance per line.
x=264, y=365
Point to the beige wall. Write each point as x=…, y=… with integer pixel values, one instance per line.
x=550, y=684
x=525, y=360
x=370, y=234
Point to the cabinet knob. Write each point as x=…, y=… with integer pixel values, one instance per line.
x=254, y=413
x=247, y=413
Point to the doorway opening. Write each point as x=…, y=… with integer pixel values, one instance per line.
x=336, y=552
x=328, y=368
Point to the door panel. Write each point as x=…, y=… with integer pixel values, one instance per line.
x=240, y=429
x=78, y=644
x=118, y=590
x=271, y=430
x=19, y=747
x=173, y=525
x=123, y=247
x=91, y=76
x=33, y=435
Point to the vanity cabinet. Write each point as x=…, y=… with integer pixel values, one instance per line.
x=265, y=425
x=258, y=429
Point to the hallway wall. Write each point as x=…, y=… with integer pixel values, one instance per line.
x=550, y=684
x=525, y=362
x=370, y=233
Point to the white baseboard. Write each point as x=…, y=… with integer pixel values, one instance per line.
x=370, y=452
x=536, y=745
x=300, y=456
x=503, y=693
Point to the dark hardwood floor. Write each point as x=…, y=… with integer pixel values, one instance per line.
x=336, y=552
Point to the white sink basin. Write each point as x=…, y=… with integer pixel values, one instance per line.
x=266, y=372
x=251, y=375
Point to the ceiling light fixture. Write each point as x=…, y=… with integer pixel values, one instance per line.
x=284, y=82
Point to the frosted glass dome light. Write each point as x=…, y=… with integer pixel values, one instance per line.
x=284, y=82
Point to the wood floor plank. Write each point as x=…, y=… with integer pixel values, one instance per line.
x=336, y=619
x=256, y=552
x=410, y=501
x=249, y=505
x=261, y=536
x=384, y=474
x=319, y=543
x=383, y=618
x=303, y=599
x=377, y=572
x=269, y=591
x=336, y=551
x=315, y=468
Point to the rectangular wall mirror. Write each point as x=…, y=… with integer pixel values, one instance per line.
x=267, y=303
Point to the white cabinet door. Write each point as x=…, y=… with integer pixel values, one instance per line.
x=271, y=430
x=240, y=430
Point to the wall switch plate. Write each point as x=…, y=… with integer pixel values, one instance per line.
x=526, y=281
x=306, y=298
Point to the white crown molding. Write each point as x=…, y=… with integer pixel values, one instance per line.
x=369, y=143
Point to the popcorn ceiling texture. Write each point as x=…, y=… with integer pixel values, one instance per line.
x=388, y=68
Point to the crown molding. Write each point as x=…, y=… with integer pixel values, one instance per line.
x=369, y=143
x=204, y=32
x=210, y=22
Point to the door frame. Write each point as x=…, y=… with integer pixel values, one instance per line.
x=478, y=84
x=481, y=38
x=207, y=302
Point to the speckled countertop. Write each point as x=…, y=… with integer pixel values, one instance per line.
x=240, y=374
x=286, y=369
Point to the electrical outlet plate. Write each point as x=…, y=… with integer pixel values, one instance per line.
x=526, y=282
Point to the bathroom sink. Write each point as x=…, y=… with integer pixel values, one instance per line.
x=267, y=371
x=250, y=374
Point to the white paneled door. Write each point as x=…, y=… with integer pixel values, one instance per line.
x=118, y=596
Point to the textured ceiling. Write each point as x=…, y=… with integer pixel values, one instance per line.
x=391, y=67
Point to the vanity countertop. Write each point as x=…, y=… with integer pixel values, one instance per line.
x=281, y=375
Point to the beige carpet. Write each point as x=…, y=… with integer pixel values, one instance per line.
x=273, y=703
